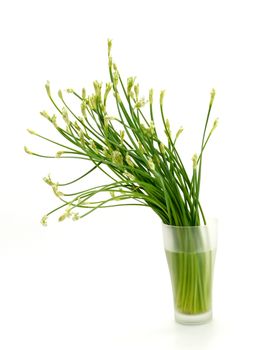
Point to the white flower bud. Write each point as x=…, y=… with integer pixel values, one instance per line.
x=151, y=164
x=27, y=150
x=212, y=94
x=195, y=160
x=47, y=86
x=117, y=97
x=215, y=124
x=151, y=96
x=56, y=191
x=48, y=180
x=110, y=62
x=81, y=138
x=44, y=220
x=106, y=152
x=179, y=133
x=93, y=146
x=130, y=83
x=141, y=148
x=67, y=214
x=161, y=97
x=62, y=217
x=115, y=79
x=129, y=175
x=60, y=94
x=75, y=216
x=65, y=115
x=162, y=148
x=97, y=88
x=122, y=134
x=137, y=90
x=152, y=128
x=140, y=103
x=59, y=154
x=117, y=157
x=128, y=160
x=45, y=115
x=106, y=93
x=109, y=47
x=32, y=132
x=83, y=109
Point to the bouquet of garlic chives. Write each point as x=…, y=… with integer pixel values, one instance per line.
x=142, y=169
x=128, y=150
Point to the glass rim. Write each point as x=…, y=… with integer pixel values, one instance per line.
x=209, y=222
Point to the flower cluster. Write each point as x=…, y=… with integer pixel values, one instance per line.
x=127, y=148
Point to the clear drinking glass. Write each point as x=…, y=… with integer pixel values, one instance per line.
x=190, y=253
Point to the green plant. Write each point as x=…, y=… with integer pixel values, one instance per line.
x=128, y=150
x=140, y=166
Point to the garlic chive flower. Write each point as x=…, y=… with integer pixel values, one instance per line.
x=77, y=127
x=60, y=94
x=32, y=132
x=212, y=94
x=75, y=216
x=109, y=47
x=52, y=119
x=195, y=161
x=59, y=154
x=65, y=115
x=115, y=79
x=83, y=93
x=48, y=180
x=106, y=152
x=27, y=150
x=81, y=138
x=117, y=158
x=93, y=146
x=140, y=103
x=161, y=97
x=106, y=93
x=215, y=124
x=56, y=190
x=181, y=129
x=84, y=109
x=47, y=86
x=151, y=96
x=97, y=89
x=130, y=83
x=66, y=214
x=152, y=128
x=162, y=148
x=69, y=214
x=129, y=175
x=167, y=127
x=45, y=115
x=44, y=220
x=151, y=164
x=136, y=91
x=128, y=160
x=122, y=134
x=141, y=148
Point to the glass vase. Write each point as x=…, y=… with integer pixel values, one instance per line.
x=190, y=253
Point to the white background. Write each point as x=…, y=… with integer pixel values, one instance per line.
x=103, y=283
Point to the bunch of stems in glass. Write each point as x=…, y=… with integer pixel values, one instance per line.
x=128, y=150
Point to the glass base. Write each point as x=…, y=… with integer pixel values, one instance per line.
x=193, y=319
